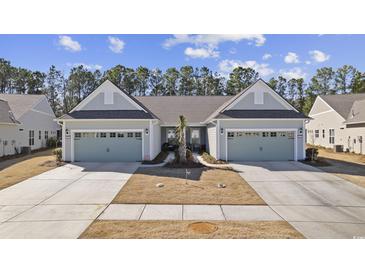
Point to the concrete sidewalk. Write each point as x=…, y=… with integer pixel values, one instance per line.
x=189, y=212
x=62, y=202
x=316, y=203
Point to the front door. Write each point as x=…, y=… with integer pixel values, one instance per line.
x=195, y=139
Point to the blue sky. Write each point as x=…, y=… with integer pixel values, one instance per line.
x=270, y=55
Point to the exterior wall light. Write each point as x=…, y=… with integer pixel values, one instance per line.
x=146, y=130
x=67, y=131
x=222, y=131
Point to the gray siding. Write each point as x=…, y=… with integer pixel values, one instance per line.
x=156, y=140
x=248, y=102
x=212, y=140
x=119, y=102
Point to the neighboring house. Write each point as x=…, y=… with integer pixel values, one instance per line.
x=255, y=125
x=25, y=121
x=338, y=120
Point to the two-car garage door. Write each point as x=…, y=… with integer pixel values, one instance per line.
x=260, y=145
x=107, y=146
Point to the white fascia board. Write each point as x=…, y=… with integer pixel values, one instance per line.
x=103, y=120
x=98, y=90
x=281, y=100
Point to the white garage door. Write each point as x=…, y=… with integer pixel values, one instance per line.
x=260, y=146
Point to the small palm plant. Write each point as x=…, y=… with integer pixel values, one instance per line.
x=181, y=137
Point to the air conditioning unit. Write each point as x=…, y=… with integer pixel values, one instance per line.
x=338, y=148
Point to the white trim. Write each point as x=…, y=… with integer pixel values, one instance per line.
x=295, y=130
x=44, y=113
x=281, y=100
x=97, y=120
x=304, y=140
x=10, y=124
x=188, y=125
x=98, y=90
x=64, y=141
x=218, y=133
x=262, y=119
x=353, y=123
x=323, y=112
x=151, y=139
x=73, y=131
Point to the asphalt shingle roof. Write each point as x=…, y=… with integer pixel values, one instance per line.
x=357, y=112
x=108, y=114
x=261, y=114
x=6, y=116
x=342, y=103
x=20, y=103
x=196, y=109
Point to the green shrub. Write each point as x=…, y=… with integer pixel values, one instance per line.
x=58, y=153
x=189, y=155
x=51, y=142
x=311, y=154
x=165, y=147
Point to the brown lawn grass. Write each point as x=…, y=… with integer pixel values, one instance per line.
x=201, y=188
x=190, y=230
x=348, y=166
x=16, y=170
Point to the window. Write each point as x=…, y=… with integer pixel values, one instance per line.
x=331, y=136
x=40, y=135
x=113, y=134
x=265, y=134
x=102, y=134
x=323, y=133
x=171, y=135
x=46, y=135
x=272, y=134
x=120, y=135
x=230, y=134
x=316, y=133
x=130, y=134
x=77, y=135
x=31, y=137
x=138, y=135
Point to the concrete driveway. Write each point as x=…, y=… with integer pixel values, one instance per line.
x=61, y=203
x=316, y=203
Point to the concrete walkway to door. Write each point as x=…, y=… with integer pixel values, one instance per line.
x=316, y=203
x=63, y=202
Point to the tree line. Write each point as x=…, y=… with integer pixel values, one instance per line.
x=64, y=92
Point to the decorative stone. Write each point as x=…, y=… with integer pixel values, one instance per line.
x=160, y=185
x=221, y=186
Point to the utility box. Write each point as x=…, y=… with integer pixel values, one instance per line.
x=338, y=148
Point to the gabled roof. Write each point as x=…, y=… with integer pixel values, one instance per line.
x=196, y=109
x=21, y=103
x=222, y=108
x=6, y=115
x=342, y=103
x=357, y=113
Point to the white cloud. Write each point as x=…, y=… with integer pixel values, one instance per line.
x=115, y=44
x=212, y=40
x=266, y=56
x=87, y=66
x=226, y=67
x=68, y=44
x=201, y=53
x=295, y=73
x=308, y=62
x=319, y=56
x=291, y=58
